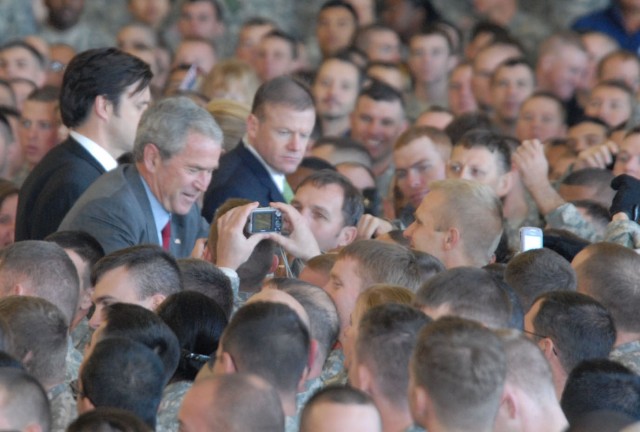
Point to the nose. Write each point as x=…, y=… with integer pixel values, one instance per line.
x=408, y=232
x=96, y=318
x=202, y=181
x=413, y=178
x=296, y=143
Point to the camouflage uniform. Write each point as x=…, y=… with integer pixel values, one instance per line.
x=63, y=407
x=569, y=218
x=81, y=335
x=414, y=428
x=623, y=232
x=532, y=219
x=291, y=423
x=74, y=358
x=311, y=387
x=82, y=36
x=628, y=354
x=16, y=20
x=333, y=365
x=564, y=12
x=172, y=396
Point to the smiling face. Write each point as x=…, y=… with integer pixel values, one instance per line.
x=376, y=124
x=280, y=134
x=179, y=181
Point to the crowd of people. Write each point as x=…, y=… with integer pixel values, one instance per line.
x=221, y=215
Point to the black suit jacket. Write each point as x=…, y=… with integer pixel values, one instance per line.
x=52, y=188
x=240, y=175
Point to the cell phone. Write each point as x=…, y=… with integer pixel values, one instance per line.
x=264, y=220
x=530, y=238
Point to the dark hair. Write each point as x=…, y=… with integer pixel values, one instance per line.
x=381, y=92
x=214, y=3
x=601, y=385
x=136, y=323
x=466, y=122
x=541, y=94
x=103, y=71
x=81, y=242
x=352, y=204
x=108, y=419
x=579, y=326
x=19, y=43
x=122, y=373
x=269, y=340
x=469, y=293
x=282, y=90
x=7, y=188
x=203, y=277
x=198, y=322
x=537, y=271
x=280, y=34
x=496, y=144
x=386, y=337
x=344, y=57
x=330, y=4
x=496, y=30
x=154, y=270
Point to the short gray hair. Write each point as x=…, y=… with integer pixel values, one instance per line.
x=167, y=123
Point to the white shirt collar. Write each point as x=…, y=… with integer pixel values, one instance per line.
x=277, y=177
x=100, y=154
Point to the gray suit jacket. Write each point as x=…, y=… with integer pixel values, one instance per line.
x=116, y=211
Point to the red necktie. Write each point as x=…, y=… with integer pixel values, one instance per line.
x=166, y=236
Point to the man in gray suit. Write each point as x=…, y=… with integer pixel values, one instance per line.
x=152, y=201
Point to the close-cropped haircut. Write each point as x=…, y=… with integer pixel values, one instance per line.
x=601, y=384
x=323, y=316
x=283, y=90
x=353, y=202
x=554, y=43
x=436, y=30
x=387, y=335
x=344, y=150
x=610, y=275
x=215, y=4
x=511, y=63
x=462, y=366
x=45, y=270
x=466, y=122
x=579, y=326
x=475, y=210
x=23, y=401
x=198, y=323
x=289, y=39
x=439, y=138
x=108, y=419
x=496, y=144
x=81, y=242
x=154, y=270
x=541, y=94
x=47, y=93
x=203, y=277
x=136, y=323
x=344, y=57
x=231, y=393
x=330, y=4
x=537, y=271
x=620, y=54
x=600, y=178
x=123, y=373
x=364, y=32
x=334, y=394
x=39, y=336
x=269, y=340
x=19, y=43
x=379, y=262
x=467, y=292
x=527, y=368
x=104, y=72
x=381, y=92
x=167, y=123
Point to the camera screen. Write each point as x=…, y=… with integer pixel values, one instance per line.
x=262, y=221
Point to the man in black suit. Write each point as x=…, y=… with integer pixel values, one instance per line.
x=278, y=130
x=104, y=93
